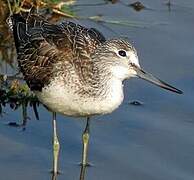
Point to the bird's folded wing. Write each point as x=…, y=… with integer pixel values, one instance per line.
x=40, y=45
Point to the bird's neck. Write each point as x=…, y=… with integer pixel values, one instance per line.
x=102, y=80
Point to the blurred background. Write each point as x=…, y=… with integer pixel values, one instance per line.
x=151, y=135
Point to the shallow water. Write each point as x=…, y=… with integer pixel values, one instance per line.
x=154, y=141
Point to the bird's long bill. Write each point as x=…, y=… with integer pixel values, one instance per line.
x=149, y=77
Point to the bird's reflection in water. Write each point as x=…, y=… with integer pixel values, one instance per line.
x=82, y=172
x=81, y=177
x=54, y=176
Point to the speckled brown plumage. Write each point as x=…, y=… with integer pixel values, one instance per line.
x=41, y=45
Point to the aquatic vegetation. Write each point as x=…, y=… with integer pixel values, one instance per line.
x=7, y=48
x=15, y=94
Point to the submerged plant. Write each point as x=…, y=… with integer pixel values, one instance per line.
x=16, y=94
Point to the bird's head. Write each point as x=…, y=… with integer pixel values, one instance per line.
x=121, y=58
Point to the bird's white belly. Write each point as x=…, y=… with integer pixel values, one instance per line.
x=61, y=100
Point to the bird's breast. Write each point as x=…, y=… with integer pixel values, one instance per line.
x=61, y=99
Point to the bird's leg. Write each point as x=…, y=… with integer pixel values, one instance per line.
x=56, y=146
x=85, y=140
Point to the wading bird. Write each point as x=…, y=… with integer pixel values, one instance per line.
x=74, y=70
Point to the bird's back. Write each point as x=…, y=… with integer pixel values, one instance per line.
x=41, y=46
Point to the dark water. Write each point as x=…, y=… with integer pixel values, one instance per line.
x=154, y=141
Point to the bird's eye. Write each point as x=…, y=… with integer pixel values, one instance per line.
x=122, y=53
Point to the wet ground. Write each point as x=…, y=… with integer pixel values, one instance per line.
x=153, y=141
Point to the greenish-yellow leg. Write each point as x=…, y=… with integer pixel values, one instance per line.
x=56, y=146
x=85, y=140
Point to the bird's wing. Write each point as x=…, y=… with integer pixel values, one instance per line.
x=40, y=45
